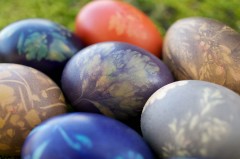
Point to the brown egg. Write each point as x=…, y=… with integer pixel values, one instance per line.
x=203, y=49
x=27, y=97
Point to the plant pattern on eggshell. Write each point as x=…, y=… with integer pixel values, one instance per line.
x=23, y=105
x=49, y=45
x=208, y=128
x=124, y=23
x=119, y=79
x=203, y=50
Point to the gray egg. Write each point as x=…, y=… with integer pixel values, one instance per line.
x=192, y=118
x=203, y=49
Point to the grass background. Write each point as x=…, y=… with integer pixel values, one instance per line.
x=163, y=12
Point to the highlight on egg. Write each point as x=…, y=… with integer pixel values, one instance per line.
x=100, y=21
x=193, y=118
x=203, y=49
x=27, y=97
x=86, y=136
x=39, y=43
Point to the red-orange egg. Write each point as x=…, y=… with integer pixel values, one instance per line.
x=112, y=20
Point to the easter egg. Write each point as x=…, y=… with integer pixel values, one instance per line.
x=100, y=21
x=38, y=43
x=27, y=97
x=203, y=49
x=192, y=118
x=114, y=79
x=86, y=136
x=187, y=158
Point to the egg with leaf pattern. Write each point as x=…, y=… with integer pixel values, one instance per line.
x=193, y=118
x=114, y=20
x=27, y=97
x=113, y=78
x=203, y=49
x=39, y=43
x=86, y=136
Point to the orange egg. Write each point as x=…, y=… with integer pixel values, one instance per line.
x=112, y=20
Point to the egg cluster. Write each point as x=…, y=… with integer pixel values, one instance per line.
x=114, y=89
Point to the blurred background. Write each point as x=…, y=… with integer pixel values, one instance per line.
x=162, y=12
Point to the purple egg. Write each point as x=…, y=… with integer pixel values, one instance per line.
x=84, y=136
x=114, y=79
x=38, y=43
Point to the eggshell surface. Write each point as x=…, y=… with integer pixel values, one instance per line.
x=38, y=43
x=100, y=21
x=203, y=49
x=114, y=79
x=84, y=135
x=27, y=97
x=193, y=118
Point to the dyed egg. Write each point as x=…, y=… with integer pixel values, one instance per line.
x=186, y=158
x=193, y=118
x=105, y=20
x=113, y=78
x=203, y=49
x=87, y=136
x=27, y=97
x=39, y=43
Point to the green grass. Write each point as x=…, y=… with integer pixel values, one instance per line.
x=163, y=12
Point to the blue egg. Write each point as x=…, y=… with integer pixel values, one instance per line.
x=85, y=136
x=187, y=158
x=38, y=43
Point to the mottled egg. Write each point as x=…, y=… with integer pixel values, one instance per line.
x=27, y=97
x=203, y=49
x=86, y=136
x=113, y=78
x=105, y=20
x=39, y=43
x=192, y=118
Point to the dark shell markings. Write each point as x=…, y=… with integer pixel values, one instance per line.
x=117, y=81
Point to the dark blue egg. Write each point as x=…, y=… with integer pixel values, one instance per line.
x=39, y=43
x=84, y=136
x=187, y=158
